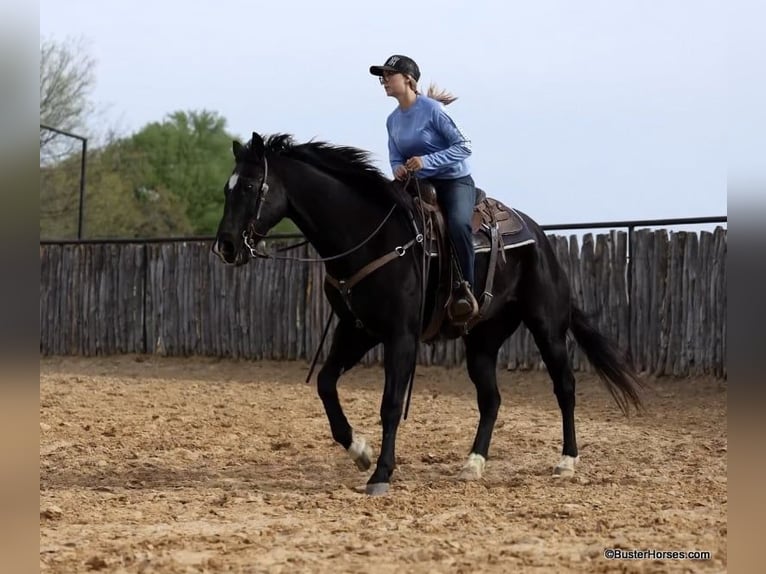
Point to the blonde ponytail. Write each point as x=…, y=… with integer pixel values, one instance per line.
x=442, y=96
x=434, y=92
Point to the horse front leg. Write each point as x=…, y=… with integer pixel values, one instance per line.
x=398, y=360
x=348, y=347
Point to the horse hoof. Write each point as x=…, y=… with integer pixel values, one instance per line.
x=469, y=474
x=364, y=462
x=473, y=468
x=377, y=489
x=361, y=453
x=566, y=466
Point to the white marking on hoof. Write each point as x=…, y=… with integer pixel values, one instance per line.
x=360, y=452
x=473, y=468
x=566, y=466
x=377, y=489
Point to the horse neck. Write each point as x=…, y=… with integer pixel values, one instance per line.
x=335, y=217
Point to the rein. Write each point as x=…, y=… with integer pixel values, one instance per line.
x=253, y=238
x=424, y=273
x=248, y=234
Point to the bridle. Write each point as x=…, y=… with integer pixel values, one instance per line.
x=249, y=230
x=252, y=238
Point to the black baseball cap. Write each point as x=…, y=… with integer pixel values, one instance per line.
x=400, y=64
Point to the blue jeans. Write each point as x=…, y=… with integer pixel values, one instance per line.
x=457, y=197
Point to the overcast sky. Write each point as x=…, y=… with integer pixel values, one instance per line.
x=578, y=111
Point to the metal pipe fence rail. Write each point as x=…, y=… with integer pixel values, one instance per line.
x=630, y=225
x=665, y=304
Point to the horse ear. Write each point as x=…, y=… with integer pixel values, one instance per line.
x=257, y=145
x=238, y=149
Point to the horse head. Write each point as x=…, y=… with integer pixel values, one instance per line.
x=254, y=202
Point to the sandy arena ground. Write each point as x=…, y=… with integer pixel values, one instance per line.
x=151, y=464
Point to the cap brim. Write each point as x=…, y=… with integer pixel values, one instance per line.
x=378, y=70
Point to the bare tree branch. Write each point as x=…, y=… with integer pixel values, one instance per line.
x=66, y=82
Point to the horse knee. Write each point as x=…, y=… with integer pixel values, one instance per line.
x=327, y=384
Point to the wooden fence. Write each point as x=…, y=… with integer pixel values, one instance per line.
x=177, y=299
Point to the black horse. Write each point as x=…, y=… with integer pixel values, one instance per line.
x=345, y=206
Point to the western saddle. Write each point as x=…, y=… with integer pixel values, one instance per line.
x=495, y=227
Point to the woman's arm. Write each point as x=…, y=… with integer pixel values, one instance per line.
x=459, y=144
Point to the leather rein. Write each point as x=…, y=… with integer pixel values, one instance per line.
x=253, y=238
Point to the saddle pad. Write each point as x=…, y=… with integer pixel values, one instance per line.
x=513, y=230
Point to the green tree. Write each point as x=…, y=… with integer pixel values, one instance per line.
x=120, y=204
x=188, y=154
x=117, y=204
x=166, y=179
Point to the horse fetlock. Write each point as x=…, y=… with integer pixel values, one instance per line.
x=473, y=469
x=566, y=466
x=360, y=452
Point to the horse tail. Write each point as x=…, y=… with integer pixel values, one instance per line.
x=614, y=370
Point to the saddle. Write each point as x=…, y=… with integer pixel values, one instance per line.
x=496, y=228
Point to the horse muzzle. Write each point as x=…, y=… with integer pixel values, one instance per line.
x=228, y=252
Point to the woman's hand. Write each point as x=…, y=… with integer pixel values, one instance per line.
x=400, y=173
x=414, y=163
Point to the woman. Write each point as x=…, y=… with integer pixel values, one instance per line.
x=425, y=140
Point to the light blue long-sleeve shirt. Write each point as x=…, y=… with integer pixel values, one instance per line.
x=425, y=129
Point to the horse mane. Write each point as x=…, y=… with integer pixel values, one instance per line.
x=350, y=165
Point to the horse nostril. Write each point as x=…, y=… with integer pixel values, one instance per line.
x=226, y=247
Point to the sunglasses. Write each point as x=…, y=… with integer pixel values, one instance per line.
x=386, y=76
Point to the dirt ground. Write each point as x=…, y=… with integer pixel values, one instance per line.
x=152, y=464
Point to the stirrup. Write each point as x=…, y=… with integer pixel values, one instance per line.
x=463, y=305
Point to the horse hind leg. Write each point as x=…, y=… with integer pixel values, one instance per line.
x=482, y=347
x=348, y=347
x=552, y=345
